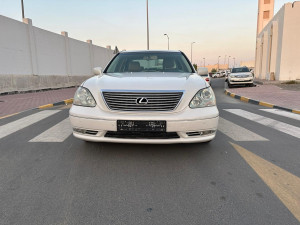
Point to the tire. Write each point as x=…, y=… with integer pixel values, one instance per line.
x=229, y=85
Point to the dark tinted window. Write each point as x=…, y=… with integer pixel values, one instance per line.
x=240, y=70
x=150, y=62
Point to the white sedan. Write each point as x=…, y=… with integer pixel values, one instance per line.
x=145, y=97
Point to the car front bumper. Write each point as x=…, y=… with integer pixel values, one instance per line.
x=93, y=124
x=233, y=81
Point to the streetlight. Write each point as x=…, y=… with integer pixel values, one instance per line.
x=204, y=61
x=219, y=63
x=23, y=14
x=168, y=41
x=147, y=26
x=233, y=62
x=228, y=61
x=192, y=52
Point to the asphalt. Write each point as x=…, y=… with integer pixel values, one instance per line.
x=76, y=182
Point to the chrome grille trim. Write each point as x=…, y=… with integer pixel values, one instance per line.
x=157, y=100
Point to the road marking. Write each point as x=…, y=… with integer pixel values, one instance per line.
x=237, y=132
x=285, y=185
x=57, y=133
x=283, y=127
x=282, y=113
x=12, y=127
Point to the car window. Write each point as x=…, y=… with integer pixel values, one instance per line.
x=150, y=62
x=240, y=70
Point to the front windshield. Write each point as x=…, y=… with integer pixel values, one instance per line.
x=149, y=62
x=240, y=70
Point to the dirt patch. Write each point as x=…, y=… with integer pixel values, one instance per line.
x=291, y=87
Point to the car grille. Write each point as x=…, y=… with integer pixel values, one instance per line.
x=149, y=101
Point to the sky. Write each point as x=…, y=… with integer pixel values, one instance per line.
x=219, y=27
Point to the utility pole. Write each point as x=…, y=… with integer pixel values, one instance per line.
x=219, y=63
x=147, y=27
x=204, y=61
x=23, y=14
x=233, y=62
x=168, y=41
x=192, y=52
x=228, y=62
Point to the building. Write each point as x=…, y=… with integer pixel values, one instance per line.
x=215, y=66
x=278, y=42
x=249, y=64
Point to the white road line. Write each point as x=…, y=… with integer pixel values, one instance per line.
x=13, y=127
x=283, y=127
x=57, y=133
x=238, y=133
x=283, y=113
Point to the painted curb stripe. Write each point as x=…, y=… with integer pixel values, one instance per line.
x=65, y=102
x=244, y=99
x=296, y=111
x=45, y=106
x=8, y=116
x=266, y=104
x=255, y=102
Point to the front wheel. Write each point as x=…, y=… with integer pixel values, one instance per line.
x=229, y=85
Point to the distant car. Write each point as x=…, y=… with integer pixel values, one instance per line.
x=240, y=76
x=203, y=72
x=216, y=75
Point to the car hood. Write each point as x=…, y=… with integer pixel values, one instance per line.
x=146, y=82
x=189, y=83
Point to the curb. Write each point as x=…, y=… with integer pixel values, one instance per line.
x=64, y=102
x=255, y=102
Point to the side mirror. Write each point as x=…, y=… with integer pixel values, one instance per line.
x=97, y=71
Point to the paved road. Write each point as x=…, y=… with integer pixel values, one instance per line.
x=248, y=175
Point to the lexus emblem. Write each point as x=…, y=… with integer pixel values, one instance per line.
x=142, y=101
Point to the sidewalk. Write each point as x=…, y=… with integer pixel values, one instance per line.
x=10, y=104
x=271, y=94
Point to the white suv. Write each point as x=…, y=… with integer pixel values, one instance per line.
x=240, y=76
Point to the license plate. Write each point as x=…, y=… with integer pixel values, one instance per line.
x=135, y=125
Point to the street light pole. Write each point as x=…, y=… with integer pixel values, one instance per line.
x=168, y=41
x=23, y=14
x=228, y=62
x=219, y=63
x=192, y=52
x=233, y=62
x=147, y=27
x=204, y=61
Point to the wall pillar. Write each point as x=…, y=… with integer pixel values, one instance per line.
x=91, y=50
x=32, y=46
x=67, y=53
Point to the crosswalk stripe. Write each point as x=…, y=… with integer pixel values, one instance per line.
x=283, y=113
x=238, y=133
x=280, y=126
x=13, y=127
x=57, y=133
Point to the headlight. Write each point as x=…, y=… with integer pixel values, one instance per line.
x=83, y=97
x=204, y=98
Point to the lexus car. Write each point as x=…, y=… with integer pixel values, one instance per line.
x=153, y=97
x=240, y=76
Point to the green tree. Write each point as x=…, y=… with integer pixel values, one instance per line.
x=213, y=70
x=195, y=66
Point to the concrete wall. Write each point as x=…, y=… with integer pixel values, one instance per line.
x=278, y=46
x=32, y=58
